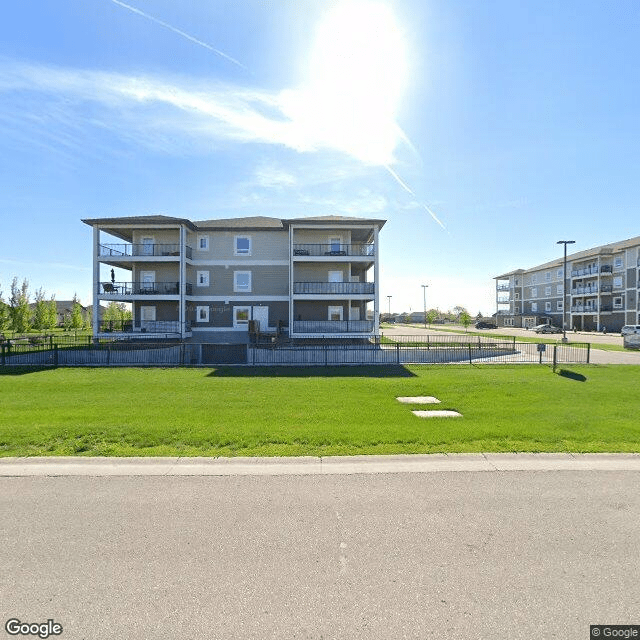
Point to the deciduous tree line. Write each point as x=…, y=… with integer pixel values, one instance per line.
x=18, y=314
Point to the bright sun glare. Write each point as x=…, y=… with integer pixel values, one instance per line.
x=356, y=79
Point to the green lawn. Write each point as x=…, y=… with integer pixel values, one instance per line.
x=237, y=411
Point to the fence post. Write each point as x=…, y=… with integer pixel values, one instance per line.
x=108, y=353
x=470, y=359
x=397, y=352
x=2, y=356
x=588, y=351
x=555, y=359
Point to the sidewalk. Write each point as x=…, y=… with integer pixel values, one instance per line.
x=331, y=465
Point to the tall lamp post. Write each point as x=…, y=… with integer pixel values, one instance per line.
x=389, y=299
x=424, y=299
x=564, y=288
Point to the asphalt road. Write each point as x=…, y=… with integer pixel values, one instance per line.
x=444, y=555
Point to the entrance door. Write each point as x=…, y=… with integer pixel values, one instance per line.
x=147, y=246
x=147, y=281
x=147, y=318
x=354, y=313
x=335, y=244
x=261, y=314
x=335, y=277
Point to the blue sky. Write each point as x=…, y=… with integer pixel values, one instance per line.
x=482, y=131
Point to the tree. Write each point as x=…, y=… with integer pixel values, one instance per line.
x=116, y=314
x=465, y=320
x=4, y=314
x=77, y=320
x=52, y=313
x=431, y=316
x=40, y=312
x=19, y=306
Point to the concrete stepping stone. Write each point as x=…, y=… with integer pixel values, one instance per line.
x=437, y=414
x=418, y=400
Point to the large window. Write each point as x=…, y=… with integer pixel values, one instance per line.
x=617, y=303
x=534, y=307
x=617, y=282
x=242, y=281
x=534, y=292
x=241, y=316
x=560, y=305
x=547, y=306
x=203, y=243
x=559, y=290
x=547, y=291
x=242, y=246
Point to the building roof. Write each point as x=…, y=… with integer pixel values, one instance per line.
x=604, y=249
x=250, y=223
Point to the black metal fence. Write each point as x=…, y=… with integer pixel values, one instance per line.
x=326, y=353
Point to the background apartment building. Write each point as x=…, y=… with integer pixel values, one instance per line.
x=601, y=286
x=207, y=280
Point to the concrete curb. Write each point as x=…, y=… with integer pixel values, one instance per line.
x=309, y=465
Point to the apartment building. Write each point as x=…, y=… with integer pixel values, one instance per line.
x=210, y=280
x=601, y=290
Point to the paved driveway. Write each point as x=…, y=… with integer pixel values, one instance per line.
x=485, y=555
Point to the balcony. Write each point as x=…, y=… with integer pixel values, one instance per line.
x=582, y=273
x=337, y=288
x=502, y=287
x=142, y=326
x=584, y=291
x=334, y=250
x=142, y=250
x=143, y=288
x=332, y=326
x=606, y=268
x=591, y=309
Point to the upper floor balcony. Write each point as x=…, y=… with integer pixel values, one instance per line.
x=502, y=287
x=126, y=289
x=143, y=251
x=334, y=250
x=333, y=288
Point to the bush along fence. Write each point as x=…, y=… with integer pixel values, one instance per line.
x=170, y=354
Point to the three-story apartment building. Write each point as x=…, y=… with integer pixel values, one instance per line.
x=206, y=280
x=601, y=290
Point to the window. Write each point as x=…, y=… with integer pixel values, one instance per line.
x=203, y=279
x=534, y=292
x=547, y=306
x=516, y=309
x=203, y=243
x=617, y=282
x=534, y=306
x=241, y=316
x=533, y=279
x=547, y=276
x=617, y=262
x=547, y=291
x=517, y=296
x=617, y=303
x=242, y=281
x=560, y=305
x=559, y=290
x=242, y=246
x=516, y=282
x=335, y=313
x=559, y=274
x=202, y=314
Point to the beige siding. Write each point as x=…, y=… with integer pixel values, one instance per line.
x=265, y=245
x=320, y=236
x=267, y=280
x=319, y=272
x=165, y=271
x=160, y=236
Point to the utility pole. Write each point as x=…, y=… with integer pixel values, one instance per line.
x=564, y=289
x=424, y=299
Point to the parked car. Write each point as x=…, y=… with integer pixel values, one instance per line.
x=486, y=325
x=547, y=328
x=629, y=329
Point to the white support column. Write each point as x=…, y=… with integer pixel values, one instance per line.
x=96, y=280
x=182, y=282
x=376, y=277
x=290, y=279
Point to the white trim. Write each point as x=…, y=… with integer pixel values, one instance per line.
x=198, y=309
x=335, y=306
x=238, y=263
x=199, y=237
x=234, y=298
x=205, y=275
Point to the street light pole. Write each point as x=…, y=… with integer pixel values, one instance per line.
x=389, y=298
x=424, y=298
x=564, y=289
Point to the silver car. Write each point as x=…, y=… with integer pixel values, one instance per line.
x=547, y=328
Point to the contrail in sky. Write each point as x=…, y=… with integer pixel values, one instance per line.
x=180, y=33
x=404, y=185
